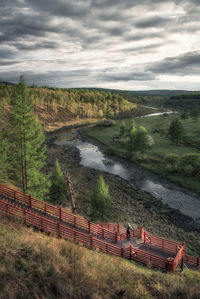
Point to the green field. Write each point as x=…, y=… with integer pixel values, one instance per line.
x=157, y=127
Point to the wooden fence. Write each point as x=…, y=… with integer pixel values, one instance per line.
x=193, y=260
x=59, y=213
x=63, y=231
x=112, y=232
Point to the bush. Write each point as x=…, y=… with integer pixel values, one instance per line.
x=190, y=164
x=109, y=150
x=172, y=162
x=106, y=123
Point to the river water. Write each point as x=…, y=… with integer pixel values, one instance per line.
x=186, y=202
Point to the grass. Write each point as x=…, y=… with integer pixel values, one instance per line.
x=34, y=265
x=157, y=126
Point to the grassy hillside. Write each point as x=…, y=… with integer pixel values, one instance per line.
x=153, y=159
x=34, y=265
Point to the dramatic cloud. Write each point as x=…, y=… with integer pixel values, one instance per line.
x=186, y=64
x=133, y=44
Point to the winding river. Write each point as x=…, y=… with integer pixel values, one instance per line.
x=186, y=202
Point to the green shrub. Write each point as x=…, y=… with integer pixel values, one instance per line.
x=190, y=164
x=172, y=162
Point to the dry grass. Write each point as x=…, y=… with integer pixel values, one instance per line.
x=34, y=265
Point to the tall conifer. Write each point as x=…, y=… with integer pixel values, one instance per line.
x=3, y=146
x=27, y=149
x=100, y=200
x=58, y=189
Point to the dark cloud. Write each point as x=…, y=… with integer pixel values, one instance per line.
x=186, y=64
x=127, y=76
x=7, y=63
x=73, y=9
x=151, y=22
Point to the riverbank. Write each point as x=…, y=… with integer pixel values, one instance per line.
x=153, y=159
x=129, y=204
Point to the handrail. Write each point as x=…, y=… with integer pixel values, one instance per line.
x=73, y=234
x=63, y=231
x=193, y=260
x=59, y=213
x=169, y=245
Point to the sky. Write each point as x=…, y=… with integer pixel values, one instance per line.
x=118, y=44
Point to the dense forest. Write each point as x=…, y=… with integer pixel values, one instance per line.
x=81, y=103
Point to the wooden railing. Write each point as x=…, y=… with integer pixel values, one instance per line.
x=58, y=228
x=59, y=213
x=193, y=260
x=110, y=231
x=156, y=241
x=63, y=231
x=116, y=227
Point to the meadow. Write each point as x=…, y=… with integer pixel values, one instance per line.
x=153, y=158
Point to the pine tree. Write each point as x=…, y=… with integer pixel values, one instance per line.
x=27, y=150
x=58, y=189
x=100, y=200
x=3, y=147
x=176, y=131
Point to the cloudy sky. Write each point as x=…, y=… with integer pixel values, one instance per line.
x=122, y=44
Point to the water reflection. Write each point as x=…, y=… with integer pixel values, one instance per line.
x=175, y=197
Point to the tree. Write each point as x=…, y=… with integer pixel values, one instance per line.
x=58, y=189
x=100, y=200
x=132, y=128
x=195, y=114
x=139, y=140
x=27, y=153
x=122, y=129
x=184, y=114
x=4, y=146
x=176, y=131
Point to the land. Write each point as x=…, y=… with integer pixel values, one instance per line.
x=34, y=265
x=39, y=266
x=129, y=204
x=153, y=159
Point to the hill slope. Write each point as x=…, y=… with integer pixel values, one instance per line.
x=37, y=266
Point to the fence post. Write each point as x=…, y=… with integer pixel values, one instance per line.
x=141, y=230
x=116, y=238
x=91, y=241
x=122, y=252
x=183, y=244
x=45, y=208
x=30, y=201
x=24, y=216
x=41, y=223
x=144, y=237
x=103, y=232
x=74, y=220
x=163, y=243
x=60, y=213
x=118, y=227
x=131, y=248
x=89, y=226
x=58, y=229
x=14, y=194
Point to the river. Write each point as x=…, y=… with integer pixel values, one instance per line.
x=176, y=197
